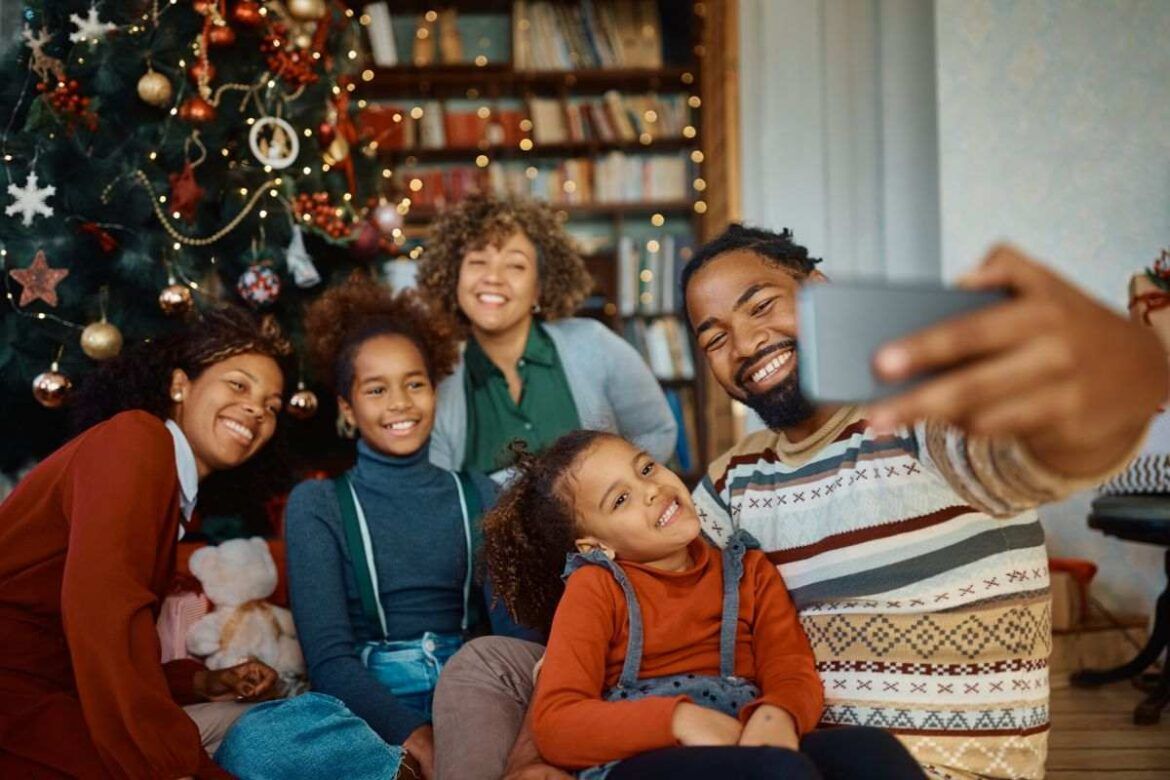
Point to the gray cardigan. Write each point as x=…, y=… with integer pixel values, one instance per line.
x=612, y=387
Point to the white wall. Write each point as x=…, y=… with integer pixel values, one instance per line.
x=838, y=131
x=1054, y=131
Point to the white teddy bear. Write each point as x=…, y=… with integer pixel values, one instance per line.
x=237, y=576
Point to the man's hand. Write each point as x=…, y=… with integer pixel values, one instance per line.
x=249, y=681
x=693, y=726
x=421, y=747
x=772, y=726
x=1075, y=382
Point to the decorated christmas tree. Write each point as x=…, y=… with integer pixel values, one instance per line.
x=160, y=156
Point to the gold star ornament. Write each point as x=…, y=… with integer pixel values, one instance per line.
x=39, y=280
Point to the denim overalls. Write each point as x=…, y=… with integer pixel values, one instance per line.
x=409, y=668
x=725, y=692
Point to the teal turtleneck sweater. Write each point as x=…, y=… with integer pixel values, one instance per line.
x=416, y=527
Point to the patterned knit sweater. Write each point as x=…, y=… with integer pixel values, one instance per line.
x=917, y=564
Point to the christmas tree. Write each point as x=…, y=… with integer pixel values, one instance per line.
x=160, y=156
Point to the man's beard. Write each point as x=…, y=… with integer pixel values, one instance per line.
x=784, y=405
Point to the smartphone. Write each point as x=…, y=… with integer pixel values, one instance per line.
x=842, y=326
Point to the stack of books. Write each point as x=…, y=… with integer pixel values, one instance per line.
x=589, y=34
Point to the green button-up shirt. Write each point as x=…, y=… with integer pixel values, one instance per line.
x=545, y=412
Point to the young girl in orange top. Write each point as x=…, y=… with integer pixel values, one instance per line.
x=667, y=657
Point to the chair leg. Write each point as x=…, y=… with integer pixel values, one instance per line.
x=1159, y=640
x=1149, y=711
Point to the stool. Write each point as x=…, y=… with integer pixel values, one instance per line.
x=1138, y=518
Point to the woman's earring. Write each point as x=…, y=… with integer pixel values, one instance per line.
x=176, y=397
x=536, y=308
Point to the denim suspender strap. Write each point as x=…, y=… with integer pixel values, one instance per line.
x=733, y=553
x=361, y=553
x=633, y=663
x=467, y=494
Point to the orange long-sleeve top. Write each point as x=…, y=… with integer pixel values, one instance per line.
x=87, y=549
x=681, y=615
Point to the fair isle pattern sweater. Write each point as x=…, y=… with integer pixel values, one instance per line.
x=917, y=564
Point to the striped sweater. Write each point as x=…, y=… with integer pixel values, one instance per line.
x=917, y=564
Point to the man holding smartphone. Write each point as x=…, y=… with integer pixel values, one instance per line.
x=906, y=532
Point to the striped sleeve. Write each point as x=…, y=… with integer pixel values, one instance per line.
x=996, y=475
x=713, y=507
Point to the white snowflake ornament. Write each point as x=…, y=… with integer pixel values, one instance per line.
x=30, y=200
x=90, y=28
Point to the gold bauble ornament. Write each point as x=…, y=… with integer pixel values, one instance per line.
x=337, y=152
x=155, y=89
x=101, y=340
x=307, y=10
x=51, y=388
x=175, y=300
x=303, y=403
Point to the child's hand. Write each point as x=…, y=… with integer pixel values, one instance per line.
x=696, y=726
x=772, y=726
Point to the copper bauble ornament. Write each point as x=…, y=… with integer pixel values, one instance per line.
x=303, y=403
x=155, y=89
x=307, y=10
x=101, y=340
x=175, y=300
x=197, y=110
x=221, y=35
x=247, y=13
x=201, y=69
x=51, y=388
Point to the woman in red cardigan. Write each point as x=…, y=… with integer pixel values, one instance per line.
x=87, y=550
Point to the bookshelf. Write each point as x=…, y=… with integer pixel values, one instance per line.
x=494, y=101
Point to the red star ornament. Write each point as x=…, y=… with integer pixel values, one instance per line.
x=185, y=193
x=39, y=280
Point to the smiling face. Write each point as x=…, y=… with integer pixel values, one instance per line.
x=392, y=400
x=498, y=285
x=629, y=505
x=743, y=311
x=229, y=411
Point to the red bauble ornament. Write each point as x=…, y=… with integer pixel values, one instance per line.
x=201, y=69
x=197, y=111
x=202, y=6
x=366, y=245
x=221, y=35
x=325, y=134
x=247, y=13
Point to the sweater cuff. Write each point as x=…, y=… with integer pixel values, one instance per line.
x=180, y=675
x=805, y=720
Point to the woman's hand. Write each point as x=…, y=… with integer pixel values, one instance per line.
x=421, y=747
x=249, y=681
x=772, y=726
x=696, y=726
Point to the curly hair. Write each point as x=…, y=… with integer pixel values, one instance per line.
x=346, y=316
x=478, y=220
x=533, y=526
x=140, y=377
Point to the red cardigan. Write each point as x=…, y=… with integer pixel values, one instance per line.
x=87, y=549
x=681, y=614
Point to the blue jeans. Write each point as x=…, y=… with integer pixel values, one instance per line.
x=410, y=668
x=305, y=738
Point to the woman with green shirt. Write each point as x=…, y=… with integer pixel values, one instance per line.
x=509, y=274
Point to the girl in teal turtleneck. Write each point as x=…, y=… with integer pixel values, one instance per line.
x=381, y=652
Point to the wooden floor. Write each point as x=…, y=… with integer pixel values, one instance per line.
x=1093, y=736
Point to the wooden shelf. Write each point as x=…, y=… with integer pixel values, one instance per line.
x=572, y=149
x=496, y=79
x=419, y=214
